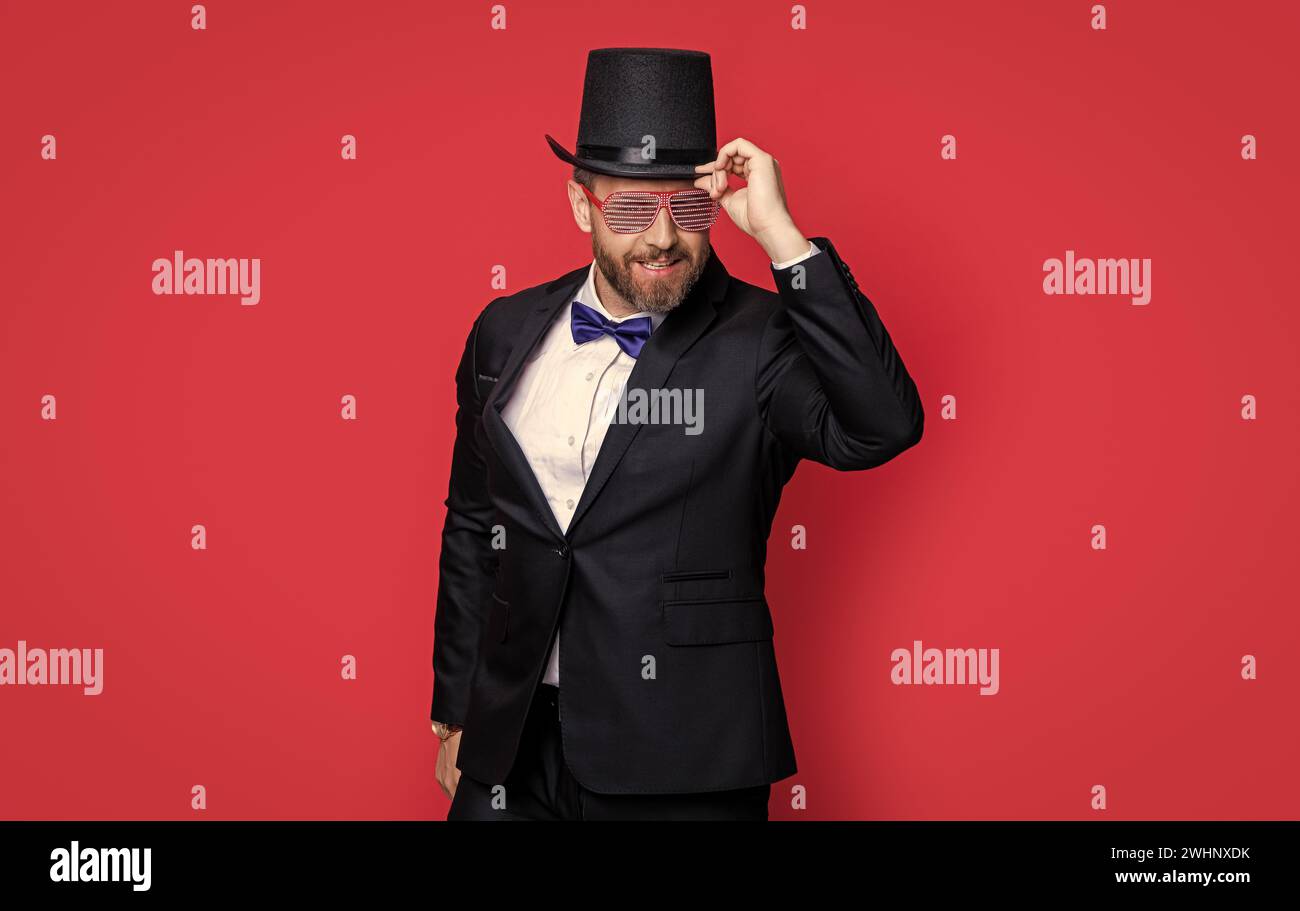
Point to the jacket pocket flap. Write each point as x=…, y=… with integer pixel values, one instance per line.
x=713, y=621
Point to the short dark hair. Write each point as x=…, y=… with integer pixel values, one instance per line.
x=584, y=177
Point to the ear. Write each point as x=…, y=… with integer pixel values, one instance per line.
x=581, y=205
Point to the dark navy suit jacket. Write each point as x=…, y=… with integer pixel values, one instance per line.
x=668, y=674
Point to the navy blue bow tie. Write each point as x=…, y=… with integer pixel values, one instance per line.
x=588, y=323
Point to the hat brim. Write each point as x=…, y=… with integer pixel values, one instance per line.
x=650, y=170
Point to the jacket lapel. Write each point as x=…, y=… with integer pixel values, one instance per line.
x=661, y=351
x=561, y=291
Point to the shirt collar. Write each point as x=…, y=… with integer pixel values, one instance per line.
x=589, y=297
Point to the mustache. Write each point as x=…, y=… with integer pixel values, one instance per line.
x=670, y=253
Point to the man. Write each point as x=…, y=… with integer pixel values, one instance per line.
x=603, y=646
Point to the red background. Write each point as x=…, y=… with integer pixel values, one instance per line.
x=1119, y=668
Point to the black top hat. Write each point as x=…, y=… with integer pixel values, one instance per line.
x=632, y=93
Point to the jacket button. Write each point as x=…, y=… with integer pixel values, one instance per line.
x=562, y=550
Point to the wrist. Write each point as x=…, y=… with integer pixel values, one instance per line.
x=783, y=242
x=445, y=730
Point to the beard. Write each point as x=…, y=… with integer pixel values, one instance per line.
x=654, y=295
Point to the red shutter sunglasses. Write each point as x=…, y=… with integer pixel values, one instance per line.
x=632, y=211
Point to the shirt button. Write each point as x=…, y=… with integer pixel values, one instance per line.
x=569, y=503
x=570, y=440
x=590, y=375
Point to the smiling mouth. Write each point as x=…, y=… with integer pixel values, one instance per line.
x=658, y=266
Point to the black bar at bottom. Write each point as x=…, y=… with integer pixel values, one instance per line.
x=207, y=859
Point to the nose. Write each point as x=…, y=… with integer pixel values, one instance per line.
x=663, y=232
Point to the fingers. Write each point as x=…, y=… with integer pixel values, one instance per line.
x=739, y=157
x=714, y=181
x=733, y=164
x=740, y=147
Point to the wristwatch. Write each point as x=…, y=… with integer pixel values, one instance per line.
x=444, y=730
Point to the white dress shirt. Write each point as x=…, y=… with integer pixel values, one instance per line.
x=563, y=401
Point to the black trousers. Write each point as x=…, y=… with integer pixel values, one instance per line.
x=541, y=787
